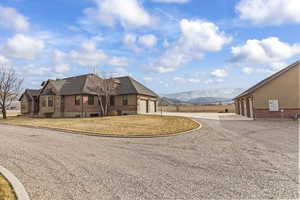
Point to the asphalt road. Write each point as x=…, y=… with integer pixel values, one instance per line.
x=223, y=160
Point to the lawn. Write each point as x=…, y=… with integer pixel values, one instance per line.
x=6, y=192
x=131, y=125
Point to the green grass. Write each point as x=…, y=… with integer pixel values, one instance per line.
x=118, y=125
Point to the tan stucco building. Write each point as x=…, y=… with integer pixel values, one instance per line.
x=275, y=97
x=77, y=97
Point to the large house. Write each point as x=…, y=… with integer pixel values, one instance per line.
x=275, y=97
x=77, y=97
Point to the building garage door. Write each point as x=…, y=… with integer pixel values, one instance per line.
x=142, y=107
x=151, y=107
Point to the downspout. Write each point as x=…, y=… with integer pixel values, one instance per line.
x=81, y=105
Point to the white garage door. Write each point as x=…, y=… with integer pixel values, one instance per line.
x=142, y=107
x=151, y=107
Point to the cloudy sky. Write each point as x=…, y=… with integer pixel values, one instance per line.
x=169, y=45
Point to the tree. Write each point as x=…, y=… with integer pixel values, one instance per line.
x=105, y=89
x=10, y=87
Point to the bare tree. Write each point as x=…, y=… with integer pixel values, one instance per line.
x=10, y=87
x=105, y=89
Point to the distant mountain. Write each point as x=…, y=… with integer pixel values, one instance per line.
x=205, y=96
x=169, y=101
x=209, y=100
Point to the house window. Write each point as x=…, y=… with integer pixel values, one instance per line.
x=77, y=100
x=44, y=103
x=112, y=100
x=91, y=100
x=50, y=101
x=125, y=100
x=23, y=105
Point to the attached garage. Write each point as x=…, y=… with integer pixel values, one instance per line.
x=151, y=107
x=142, y=106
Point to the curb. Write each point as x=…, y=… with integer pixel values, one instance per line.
x=15, y=183
x=110, y=135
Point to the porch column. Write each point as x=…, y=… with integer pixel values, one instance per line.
x=251, y=107
x=245, y=107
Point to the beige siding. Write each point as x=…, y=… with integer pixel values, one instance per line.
x=25, y=105
x=285, y=88
x=47, y=108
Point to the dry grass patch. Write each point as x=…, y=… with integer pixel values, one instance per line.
x=10, y=113
x=199, y=108
x=119, y=125
x=6, y=192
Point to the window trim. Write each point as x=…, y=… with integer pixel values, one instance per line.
x=125, y=100
x=77, y=101
x=52, y=101
x=112, y=100
x=91, y=100
x=44, y=102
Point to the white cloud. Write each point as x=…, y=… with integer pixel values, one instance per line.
x=171, y=1
x=119, y=72
x=269, y=11
x=88, y=55
x=118, y=61
x=185, y=80
x=219, y=73
x=196, y=38
x=35, y=70
x=23, y=47
x=201, y=35
x=129, y=39
x=247, y=70
x=4, y=60
x=166, y=44
x=12, y=19
x=149, y=79
x=59, y=62
x=148, y=40
x=270, y=51
x=129, y=13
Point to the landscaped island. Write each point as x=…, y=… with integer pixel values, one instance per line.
x=6, y=192
x=131, y=125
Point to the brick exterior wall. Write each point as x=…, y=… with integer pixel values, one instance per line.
x=265, y=113
x=83, y=110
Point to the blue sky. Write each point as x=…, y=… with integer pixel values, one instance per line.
x=169, y=45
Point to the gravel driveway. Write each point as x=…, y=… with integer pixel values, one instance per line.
x=225, y=159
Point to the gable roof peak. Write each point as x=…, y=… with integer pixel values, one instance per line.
x=268, y=79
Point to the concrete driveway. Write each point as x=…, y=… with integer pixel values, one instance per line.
x=204, y=115
x=223, y=160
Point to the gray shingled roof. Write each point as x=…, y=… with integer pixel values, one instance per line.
x=267, y=80
x=84, y=84
x=33, y=93
x=130, y=86
x=74, y=85
x=30, y=93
